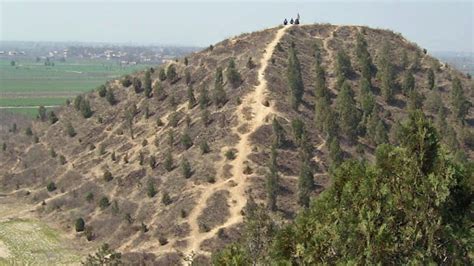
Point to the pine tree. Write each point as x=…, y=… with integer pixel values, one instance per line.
x=42, y=113
x=137, y=85
x=348, y=114
x=272, y=185
x=191, y=98
x=102, y=90
x=110, y=97
x=204, y=98
x=335, y=152
x=343, y=68
x=305, y=183
x=364, y=60
x=77, y=102
x=431, y=79
x=415, y=100
x=159, y=91
x=440, y=122
x=129, y=115
x=219, y=96
x=278, y=133
x=171, y=74
x=295, y=80
x=320, y=87
x=459, y=102
x=298, y=128
x=408, y=84
x=85, y=108
x=232, y=75
x=186, y=168
x=366, y=97
x=168, y=163
x=162, y=74
x=151, y=190
x=70, y=129
x=147, y=84
x=387, y=73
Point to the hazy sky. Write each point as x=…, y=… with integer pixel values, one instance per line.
x=436, y=25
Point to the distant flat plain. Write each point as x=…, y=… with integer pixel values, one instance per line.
x=28, y=84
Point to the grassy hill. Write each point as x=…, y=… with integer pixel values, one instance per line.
x=168, y=175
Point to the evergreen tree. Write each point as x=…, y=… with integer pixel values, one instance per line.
x=204, y=147
x=162, y=74
x=278, y=133
x=152, y=162
x=219, y=96
x=147, y=84
x=85, y=108
x=295, y=80
x=151, y=189
x=104, y=256
x=387, y=73
x=305, y=183
x=171, y=74
x=137, y=85
x=204, y=98
x=343, y=67
x=70, y=129
x=321, y=90
x=186, y=168
x=168, y=163
x=415, y=100
x=431, y=79
x=42, y=115
x=126, y=81
x=366, y=97
x=440, y=122
x=186, y=140
x=77, y=102
x=52, y=117
x=233, y=75
x=110, y=97
x=349, y=117
x=335, y=152
x=298, y=129
x=102, y=90
x=408, y=82
x=79, y=225
x=364, y=60
x=272, y=181
x=129, y=115
x=460, y=103
x=191, y=98
x=159, y=91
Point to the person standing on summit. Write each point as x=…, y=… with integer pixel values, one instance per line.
x=297, y=20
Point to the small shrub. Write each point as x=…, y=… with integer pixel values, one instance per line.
x=102, y=90
x=152, y=162
x=70, y=129
x=110, y=97
x=168, y=163
x=183, y=213
x=62, y=160
x=165, y=198
x=186, y=141
x=89, y=233
x=108, y=176
x=211, y=179
x=186, y=168
x=230, y=155
x=112, y=156
x=51, y=186
x=221, y=233
x=143, y=228
x=159, y=123
x=104, y=202
x=52, y=117
x=141, y=158
x=163, y=240
x=80, y=225
x=28, y=131
x=89, y=197
x=173, y=119
x=151, y=190
x=204, y=147
x=247, y=170
x=126, y=81
x=144, y=142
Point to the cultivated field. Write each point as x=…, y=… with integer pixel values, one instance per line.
x=28, y=84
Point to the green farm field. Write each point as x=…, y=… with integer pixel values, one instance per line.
x=29, y=84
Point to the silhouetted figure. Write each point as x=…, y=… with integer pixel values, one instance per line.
x=285, y=22
x=297, y=21
x=291, y=21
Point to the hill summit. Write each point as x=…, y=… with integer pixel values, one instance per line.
x=162, y=164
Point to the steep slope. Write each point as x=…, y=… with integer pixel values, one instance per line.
x=155, y=209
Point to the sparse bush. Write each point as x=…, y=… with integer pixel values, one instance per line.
x=186, y=168
x=152, y=162
x=168, y=163
x=204, y=147
x=108, y=176
x=230, y=154
x=89, y=197
x=165, y=198
x=163, y=241
x=102, y=90
x=51, y=186
x=186, y=140
x=28, y=131
x=211, y=179
x=104, y=202
x=89, y=233
x=80, y=225
x=62, y=160
x=52, y=117
x=110, y=97
x=126, y=81
x=70, y=129
x=151, y=190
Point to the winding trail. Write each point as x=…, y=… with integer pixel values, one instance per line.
x=237, y=185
